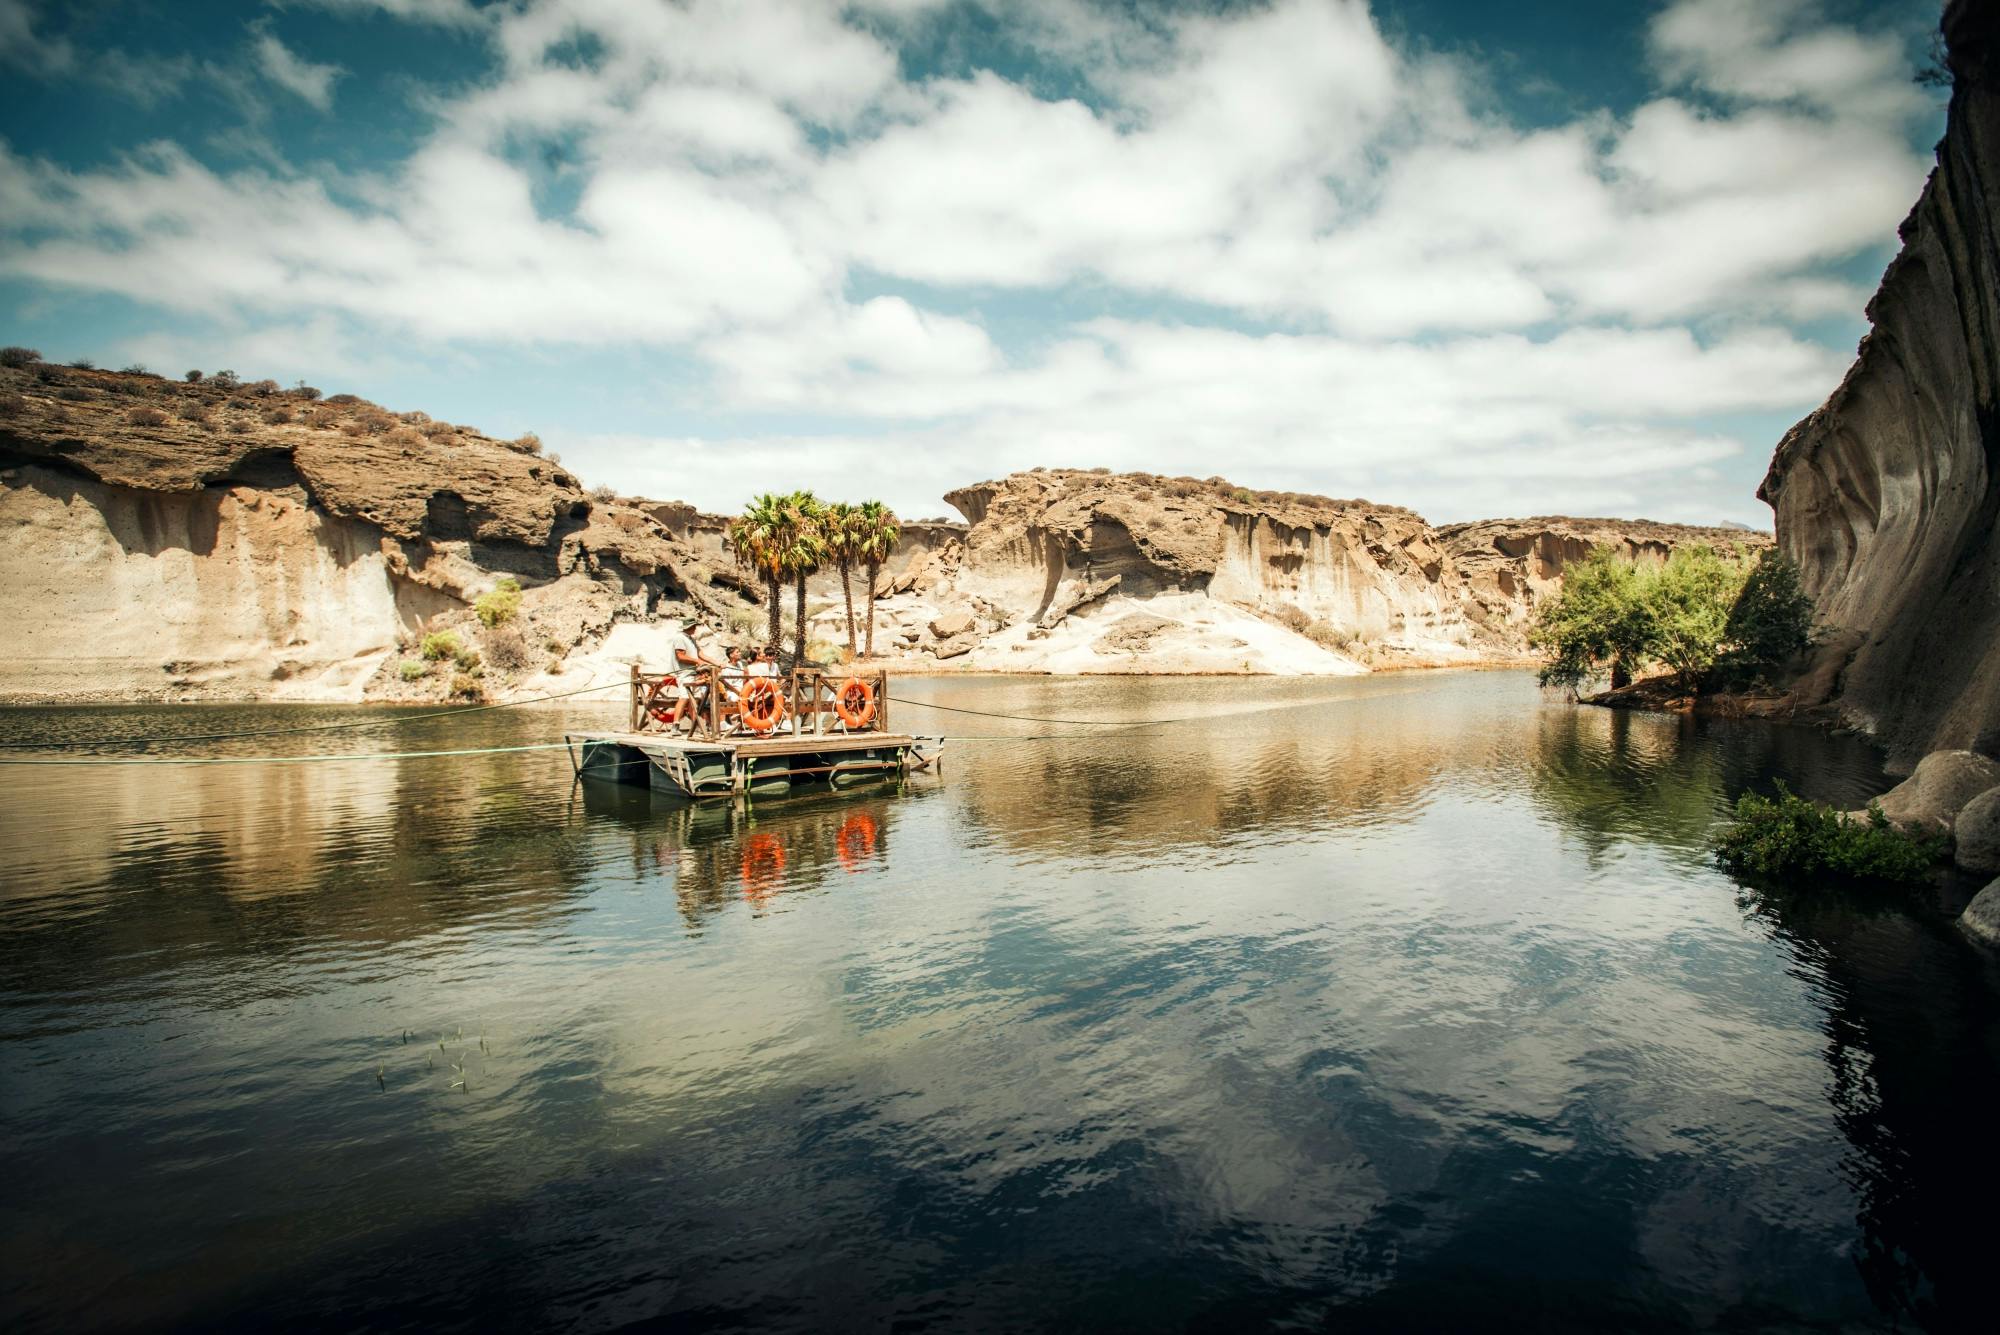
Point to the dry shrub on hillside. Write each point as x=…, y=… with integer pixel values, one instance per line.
x=17, y=357
x=414, y=418
x=529, y=442
x=303, y=391
x=277, y=416
x=194, y=410
x=224, y=380
x=376, y=423
x=1328, y=636
x=1292, y=617
x=193, y=377
x=12, y=405
x=146, y=417
x=506, y=648
x=405, y=437
x=604, y=493
x=353, y=430
x=345, y=399
x=264, y=388
x=434, y=428
x=238, y=427
x=72, y=394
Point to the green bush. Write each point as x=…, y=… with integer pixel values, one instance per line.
x=1687, y=603
x=412, y=669
x=440, y=645
x=1597, y=623
x=1788, y=838
x=1771, y=622
x=468, y=660
x=498, y=605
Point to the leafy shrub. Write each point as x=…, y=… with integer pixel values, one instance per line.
x=193, y=377
x=1791, y=839
x=440, y=645
x=194, y=410
x=146, y=417
x=468, y=660
x=17, y=357
x=498, y=604
x=1770, y=623
x=412, y=669
x=1688, y=601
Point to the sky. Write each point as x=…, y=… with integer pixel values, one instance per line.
x=1479, y=260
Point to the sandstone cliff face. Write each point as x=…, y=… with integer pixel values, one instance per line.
x=1887, y=494
x=178, y=541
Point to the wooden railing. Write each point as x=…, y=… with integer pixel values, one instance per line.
x=809, y=703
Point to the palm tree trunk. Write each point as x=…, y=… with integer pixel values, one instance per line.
x=777, y=613
x=847, y=592
x=873, y=566
x=799, y=630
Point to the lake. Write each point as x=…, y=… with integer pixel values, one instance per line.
x=1401, y=1002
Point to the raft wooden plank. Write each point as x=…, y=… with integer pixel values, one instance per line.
x=748, y=747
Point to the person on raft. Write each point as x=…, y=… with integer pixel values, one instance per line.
x=689, y=660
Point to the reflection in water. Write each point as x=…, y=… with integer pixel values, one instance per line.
x=1411, y=1001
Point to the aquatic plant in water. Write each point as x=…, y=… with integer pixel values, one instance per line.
x=1787, y=838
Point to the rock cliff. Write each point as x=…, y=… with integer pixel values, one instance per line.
x=184, y=541
x=170, y=541
x=1886, y=495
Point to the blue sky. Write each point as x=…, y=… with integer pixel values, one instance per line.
x=1475, y=259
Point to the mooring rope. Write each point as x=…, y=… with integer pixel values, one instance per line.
x=1031, y=718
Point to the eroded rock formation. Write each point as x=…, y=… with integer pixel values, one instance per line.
x=1886, y=495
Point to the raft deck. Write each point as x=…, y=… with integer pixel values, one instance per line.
x=704, y=767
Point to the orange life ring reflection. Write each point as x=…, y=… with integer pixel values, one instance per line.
x=856, y=841
x=762, y=867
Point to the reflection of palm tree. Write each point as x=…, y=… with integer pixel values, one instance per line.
x=760, y=538
x=876, y=534
x=805, y=549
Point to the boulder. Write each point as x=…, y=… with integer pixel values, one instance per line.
x=948, y=625
x=1981, y=919
x=1132, y=634
x=1977, y=832
x=1942, y=784
x=957, y=646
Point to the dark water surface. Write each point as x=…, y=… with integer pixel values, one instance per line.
x=1407, y=1002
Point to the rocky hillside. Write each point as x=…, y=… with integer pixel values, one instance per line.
x=167, y=540
x=172, y=540
x=1077, y=571
x=1886, y=495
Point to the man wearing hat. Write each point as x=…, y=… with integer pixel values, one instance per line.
x=687, y=659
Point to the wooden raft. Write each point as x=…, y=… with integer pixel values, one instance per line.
x=716, y=753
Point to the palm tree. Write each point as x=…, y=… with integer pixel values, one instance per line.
x=760, y=538
x=804, y=551
x=837, y=523
x=875, y=537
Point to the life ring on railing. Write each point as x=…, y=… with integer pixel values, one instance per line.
x=855, y=703
x=760, y=706
x=662, y=712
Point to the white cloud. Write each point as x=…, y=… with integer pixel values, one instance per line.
x=1465, y=308
x=310, y=82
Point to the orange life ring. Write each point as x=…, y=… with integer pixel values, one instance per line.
x=760, y=706
x=855, y=703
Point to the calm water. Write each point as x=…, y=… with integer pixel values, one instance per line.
x=1410, y=1002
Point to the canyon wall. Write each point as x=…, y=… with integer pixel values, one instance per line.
x=1886, y=495
x=171, y=541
